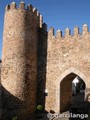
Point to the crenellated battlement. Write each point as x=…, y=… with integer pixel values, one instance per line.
x=35, y=60
x=29, y=8
x=67, y=34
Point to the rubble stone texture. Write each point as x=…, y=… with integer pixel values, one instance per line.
x=35, y=61
x=67, y=57
x=19, y=61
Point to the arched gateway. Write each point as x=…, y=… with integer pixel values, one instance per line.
x=35, y=63
x=64, y=96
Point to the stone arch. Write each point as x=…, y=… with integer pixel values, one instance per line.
x=69, y=72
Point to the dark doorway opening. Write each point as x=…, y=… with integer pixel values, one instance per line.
x=71, y=91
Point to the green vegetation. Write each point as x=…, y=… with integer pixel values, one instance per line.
x=15, y=118
x=40, y=107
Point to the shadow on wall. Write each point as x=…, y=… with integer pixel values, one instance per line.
x=66, y=91
x=11, y=105
x=42, y=60
x=14, y=107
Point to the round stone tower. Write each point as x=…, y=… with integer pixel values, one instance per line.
x=19, y=61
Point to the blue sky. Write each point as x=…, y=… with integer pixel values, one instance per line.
x=59, y=14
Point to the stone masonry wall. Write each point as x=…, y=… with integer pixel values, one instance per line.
x=63, y=53
x=35, y=61
x=19, y=61
x=42, y=62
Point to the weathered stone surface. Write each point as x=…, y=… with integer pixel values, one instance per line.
x=19, y=62
x=35, y=61
x=66, y=55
